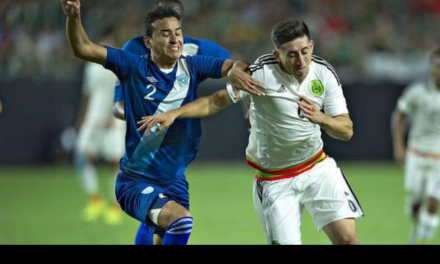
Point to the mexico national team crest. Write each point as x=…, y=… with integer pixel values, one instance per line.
x=317, y=88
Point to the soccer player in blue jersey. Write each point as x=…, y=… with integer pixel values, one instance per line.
x=151, y=186
x=192, y=47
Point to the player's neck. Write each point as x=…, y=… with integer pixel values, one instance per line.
x=163, y=64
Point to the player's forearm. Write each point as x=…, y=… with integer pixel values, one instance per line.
x=205, y=106
x=398, y=127
x=340, y=127
x=80, y=43
x=118, y=111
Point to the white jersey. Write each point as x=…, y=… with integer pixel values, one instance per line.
x=280, y=137
x=421, y=103
x=99, y=85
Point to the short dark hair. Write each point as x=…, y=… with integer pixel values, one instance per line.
x=158, y=13
x=435, y=54
x=174, y=4
x=288, y=30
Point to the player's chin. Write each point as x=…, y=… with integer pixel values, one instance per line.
x=175, y=55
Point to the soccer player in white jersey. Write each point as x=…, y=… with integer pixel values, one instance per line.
x=101, y=136
x=419, y=107
x=285, y=145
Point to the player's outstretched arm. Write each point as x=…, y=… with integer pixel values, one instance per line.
x=79, y=42
x=202, y=107
x=398, y=127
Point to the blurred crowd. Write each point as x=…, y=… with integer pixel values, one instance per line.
x=363, y=39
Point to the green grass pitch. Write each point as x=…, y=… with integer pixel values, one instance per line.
x=42, y=205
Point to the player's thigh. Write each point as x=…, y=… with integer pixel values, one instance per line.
x=331, y=198
x=113, y=147
x=138, y=197
x=280, y=211
x=88, y=142
x=415, y=178
x=433, y=179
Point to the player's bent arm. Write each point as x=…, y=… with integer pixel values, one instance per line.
x=79, y=42
x=338, y=127
x=1, y=107
x=398, y=129
x=202, y=107
x=118, y=110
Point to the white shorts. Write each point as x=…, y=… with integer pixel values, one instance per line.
x=323, y=192
x=422, y=178
x=108, y=144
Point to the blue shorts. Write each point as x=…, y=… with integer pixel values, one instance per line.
x=138, y=196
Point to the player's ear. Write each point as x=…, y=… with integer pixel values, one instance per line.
x=312, y=45
x=276, y=53
x=148, y=42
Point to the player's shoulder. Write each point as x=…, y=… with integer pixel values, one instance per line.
x=136, y=46
x=190, y=40
x=417, y=87
x=265, y=61
x=323, y=69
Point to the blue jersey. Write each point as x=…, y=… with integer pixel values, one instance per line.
x=162, y=157
x=192, y=47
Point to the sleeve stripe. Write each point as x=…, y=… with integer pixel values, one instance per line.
x=259, y=67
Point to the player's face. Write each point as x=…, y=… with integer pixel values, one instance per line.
x=167, y=41
x=435, y=70
x=295, y=57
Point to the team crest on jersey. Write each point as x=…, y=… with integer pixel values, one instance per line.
x=183, y=79
x=317, y=88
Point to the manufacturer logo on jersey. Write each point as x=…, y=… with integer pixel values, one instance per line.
x=316, y=88
x=152, y=80
x=282, y=89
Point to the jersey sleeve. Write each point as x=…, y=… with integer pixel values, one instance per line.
x=209, y=48
x=335, y=103
x=207, y=67
x=120, y=62
x=406, y=103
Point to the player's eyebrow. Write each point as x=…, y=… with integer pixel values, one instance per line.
x=167, y=30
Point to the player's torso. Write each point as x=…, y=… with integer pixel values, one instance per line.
x=425, y=121
x=161, y=156
x=280, y=135
x=100, y=105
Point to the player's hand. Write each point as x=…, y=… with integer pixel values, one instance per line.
x=311, y=110
x=71, y=8
x=164, y=120
x=240, y=80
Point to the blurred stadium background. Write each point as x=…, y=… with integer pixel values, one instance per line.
x=377, y=47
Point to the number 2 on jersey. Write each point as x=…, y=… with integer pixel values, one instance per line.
x=149, y=96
